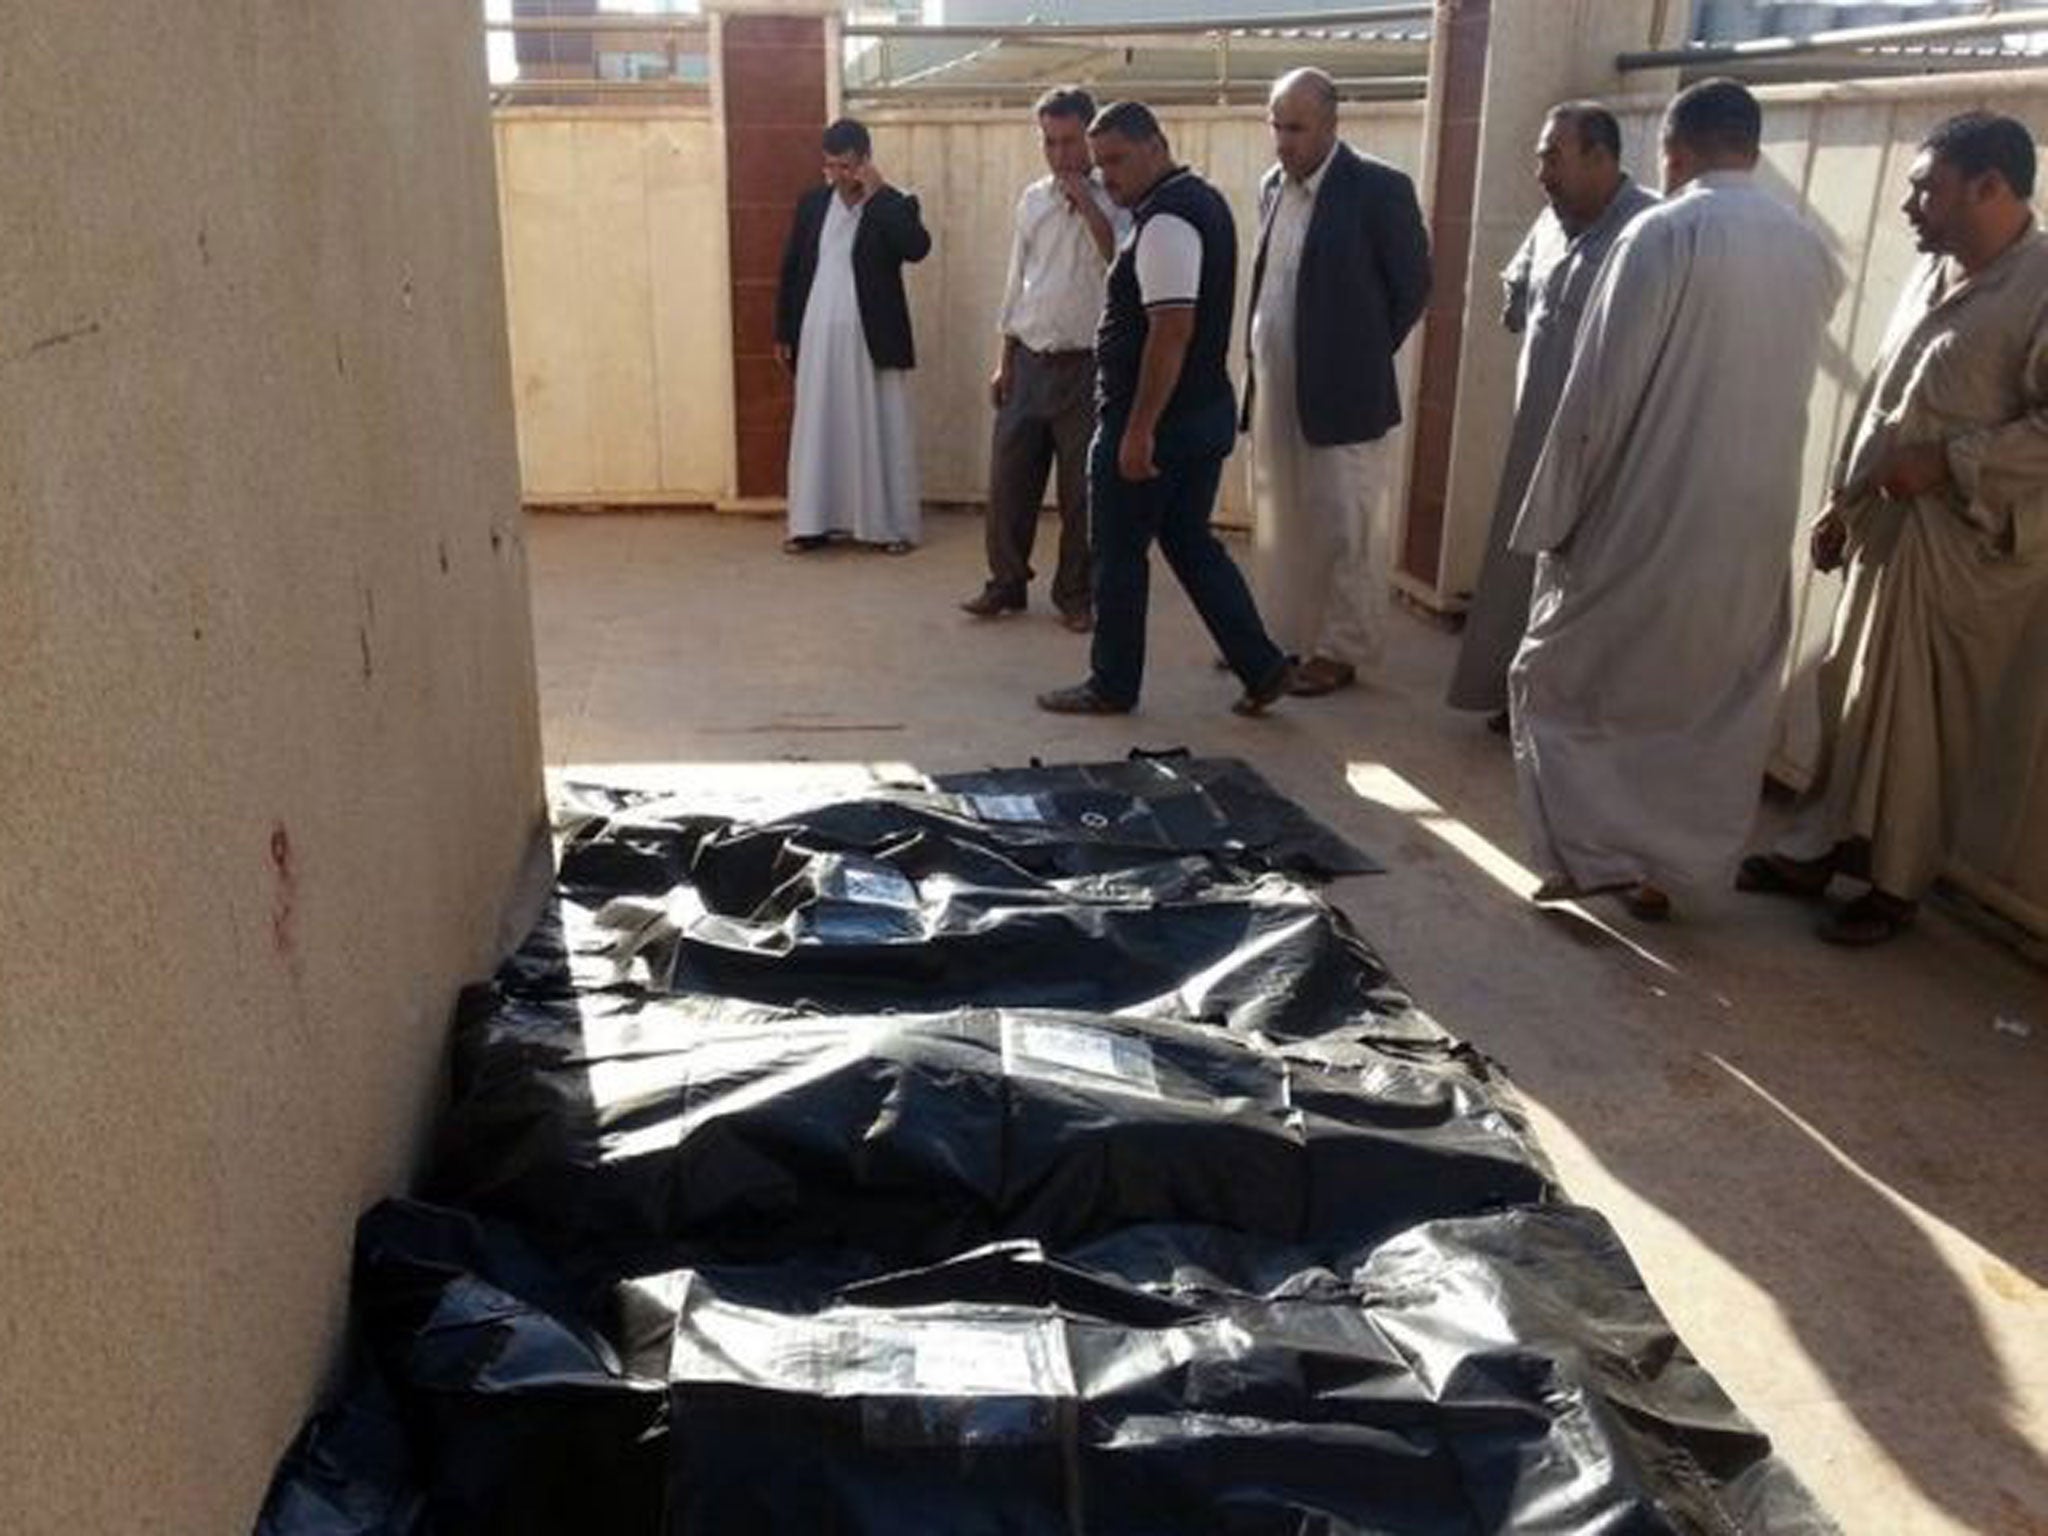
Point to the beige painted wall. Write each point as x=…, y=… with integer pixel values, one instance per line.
x=621, y=322
x=270, y=754
x=621, y=318
x=1539, y=52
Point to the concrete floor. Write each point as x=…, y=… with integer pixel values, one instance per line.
x=1830, y=1166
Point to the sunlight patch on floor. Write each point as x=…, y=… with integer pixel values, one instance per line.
x=1384, y=787
x=735, y=787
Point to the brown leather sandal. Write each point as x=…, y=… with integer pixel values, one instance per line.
x=1647, y=903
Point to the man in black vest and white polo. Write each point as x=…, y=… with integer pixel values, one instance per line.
x=1166, y=420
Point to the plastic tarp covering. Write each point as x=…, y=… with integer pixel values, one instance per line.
x=681, y=1132
x=350, y=1472
x=1065, y=819
x=1027, y=1152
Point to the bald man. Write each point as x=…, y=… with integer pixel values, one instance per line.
x=1342, y=275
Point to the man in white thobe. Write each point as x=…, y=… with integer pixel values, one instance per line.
x=1341, y=276
x=1939, y=505
x=1662, y=514
x=843, y=326
x=1545, y=287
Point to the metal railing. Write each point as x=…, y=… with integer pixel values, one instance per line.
x=1153, y=89
x=682, y=39
x=1228, y=59
x=887, y=64
x=901, y=64
x=1899, y=47
x=1040, y=31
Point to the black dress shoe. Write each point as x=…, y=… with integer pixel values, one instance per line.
x=992, y=602
x=1872, y=918
x=1081, y=699
x=1256, y=699
x=1772, y=874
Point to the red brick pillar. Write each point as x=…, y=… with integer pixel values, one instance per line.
x=1458, y=86
x=776, y=89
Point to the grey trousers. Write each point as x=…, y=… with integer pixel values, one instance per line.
x=1049, y=417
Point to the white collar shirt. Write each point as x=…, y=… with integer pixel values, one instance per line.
x=1294, y=205
x=1052, y=300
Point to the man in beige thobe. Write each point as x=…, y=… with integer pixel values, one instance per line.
x=1939, y=505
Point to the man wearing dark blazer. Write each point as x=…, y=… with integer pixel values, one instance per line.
x=1342, y=275
x=842, y=325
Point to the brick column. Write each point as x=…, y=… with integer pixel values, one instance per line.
x=1457, y=92
x=1495, y=68
x=776, y=88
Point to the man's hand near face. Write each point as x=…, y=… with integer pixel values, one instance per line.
x=1079, y=190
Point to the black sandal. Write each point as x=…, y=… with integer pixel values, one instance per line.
x=1871, y=918
x=1772, y=874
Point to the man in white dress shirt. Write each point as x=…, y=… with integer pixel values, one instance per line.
x=1065, y=233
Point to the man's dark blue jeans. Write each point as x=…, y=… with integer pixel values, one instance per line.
x=1127, y=515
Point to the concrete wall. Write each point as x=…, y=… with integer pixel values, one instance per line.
x=270, y=751
x=615, y=255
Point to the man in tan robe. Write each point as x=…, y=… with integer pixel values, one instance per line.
x=1939, y=505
